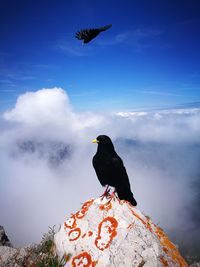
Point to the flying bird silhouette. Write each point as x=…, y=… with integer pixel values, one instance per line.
x=88, y=34
x=110, y=169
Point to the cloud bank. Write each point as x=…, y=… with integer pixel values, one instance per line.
x=46, y=169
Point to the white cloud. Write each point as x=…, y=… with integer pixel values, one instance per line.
x=45, y=105
x=46, y=169
x=49, y=106
x=164, y=126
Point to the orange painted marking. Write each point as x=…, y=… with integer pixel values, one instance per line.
x=84, y=259
x=147, y=224
x=67, y=257
x=80, y=214
x=107, y=206
x=164, y=262
x=90, y=233
x=83, y=235
x=106, y=232
x=130, y=225
x=165, y=250
x=71, y=222
x=169, y=248
x=74, y=234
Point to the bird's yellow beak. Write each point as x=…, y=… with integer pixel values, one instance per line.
x=95, y=141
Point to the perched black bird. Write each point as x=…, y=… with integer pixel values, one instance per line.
x=110, y=169
x=88, y=34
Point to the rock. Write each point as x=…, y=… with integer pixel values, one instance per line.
x=6, y=256
x=34, y=255
x=12, y=257
x=20, y=257
x=112, y=233
x=4, y=241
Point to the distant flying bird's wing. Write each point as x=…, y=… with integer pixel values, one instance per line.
x=88, y=34
x=104, y=28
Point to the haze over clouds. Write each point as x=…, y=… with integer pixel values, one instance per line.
x=46, y=169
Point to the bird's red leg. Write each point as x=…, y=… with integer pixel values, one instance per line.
x=113, y=194
x=105, y=194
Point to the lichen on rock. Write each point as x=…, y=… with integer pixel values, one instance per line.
x=111, y=232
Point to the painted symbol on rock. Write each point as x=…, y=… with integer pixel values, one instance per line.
x=83, y=260
x=90, y=233
x=84, y=235
x=106, y=232
x=74, y=234
x=71, y=222
x=107, y=206
x=80, y=214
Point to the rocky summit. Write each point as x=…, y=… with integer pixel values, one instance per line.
x=110, y=233
x=4, y=241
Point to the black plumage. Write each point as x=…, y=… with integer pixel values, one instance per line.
x=110, y=169
x=88, y=34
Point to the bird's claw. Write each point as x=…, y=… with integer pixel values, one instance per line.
x=113, y=195
x=105, y=194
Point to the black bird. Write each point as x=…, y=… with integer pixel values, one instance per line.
x=88, y=34
x=110, y=169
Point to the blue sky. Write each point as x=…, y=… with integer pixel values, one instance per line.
x=148, y=59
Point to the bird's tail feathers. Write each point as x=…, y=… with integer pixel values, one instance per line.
x=126, y=195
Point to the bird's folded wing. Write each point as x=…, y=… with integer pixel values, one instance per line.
x=121, y=174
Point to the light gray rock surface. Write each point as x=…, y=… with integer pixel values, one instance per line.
x=112, y=233
x=6, y=256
